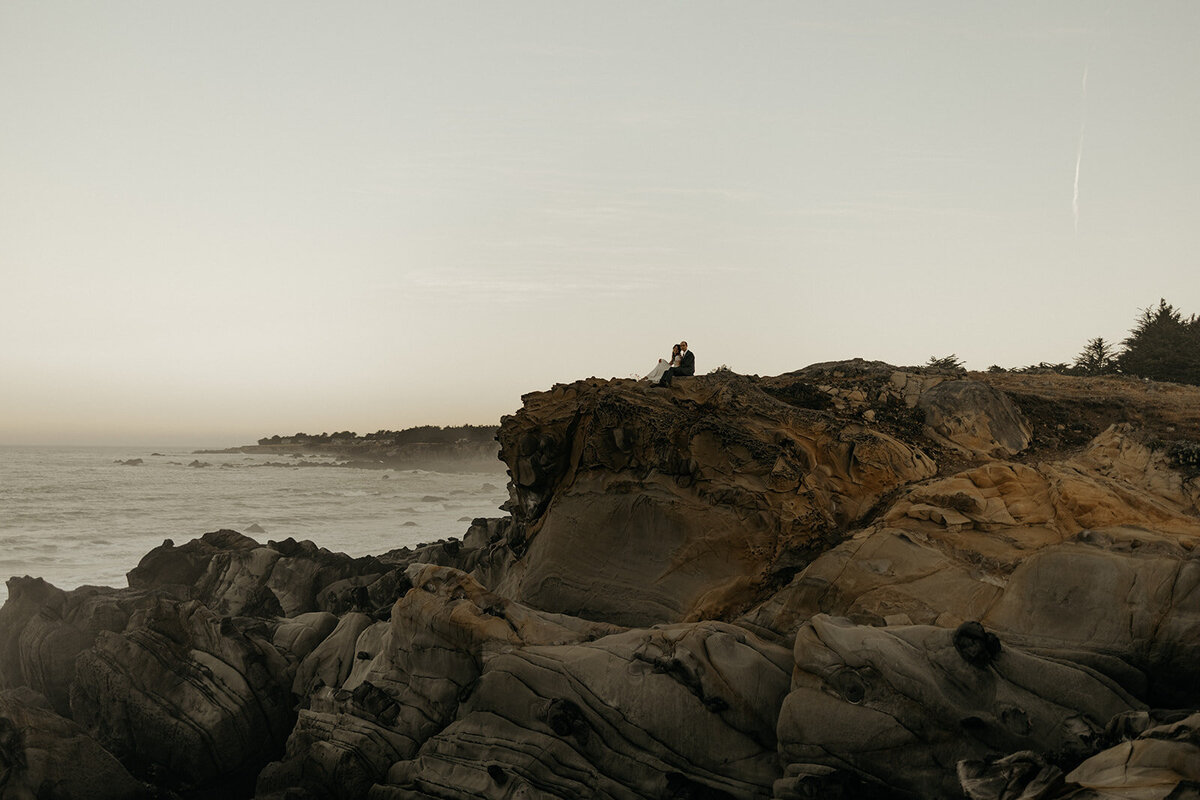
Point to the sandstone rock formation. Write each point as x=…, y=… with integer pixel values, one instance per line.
x=684, y=500
x=606, y=717
x=974, y=418
x=407, y=683
x=895, y=706
x=850, y=581
x=1012, y=545
x=1161, y=761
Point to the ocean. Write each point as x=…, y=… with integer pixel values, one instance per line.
x=75, y=515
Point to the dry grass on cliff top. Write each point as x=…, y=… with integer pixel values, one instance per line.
x=1066, y=411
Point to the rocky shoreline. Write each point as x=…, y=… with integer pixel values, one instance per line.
x=438, y=456
x=851, y=581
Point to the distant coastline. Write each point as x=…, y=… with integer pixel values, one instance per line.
x=462, y=448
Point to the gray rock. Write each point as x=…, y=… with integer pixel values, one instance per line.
x=975, y=418
x=184, y=697
x=406, y=681
x=900, y=707
x=44, y=755
x=684, y=710
x=233, y=574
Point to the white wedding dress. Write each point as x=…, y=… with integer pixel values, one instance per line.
x=660, y=369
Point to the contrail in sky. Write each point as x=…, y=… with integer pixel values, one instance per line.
x=1079, y=150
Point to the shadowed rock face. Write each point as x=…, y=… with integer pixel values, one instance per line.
x=1156, y=761
x=186, y=697
x=407, y=681
x=44, y=630
x=44, y=755
x=234, y=574
x=638, y=505
x=183, y=697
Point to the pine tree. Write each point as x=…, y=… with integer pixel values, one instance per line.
x=1098, y=358
x=1163, y=346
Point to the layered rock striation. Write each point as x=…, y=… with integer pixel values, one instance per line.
x=641, y=506
x=851, y=581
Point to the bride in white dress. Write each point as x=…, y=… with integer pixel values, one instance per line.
x=655, y=375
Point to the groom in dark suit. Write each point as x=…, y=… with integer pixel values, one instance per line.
x=687, y=365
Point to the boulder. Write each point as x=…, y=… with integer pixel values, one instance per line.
x=44, y=755
x=44, y=629
x=1115, y=595
x=235, y=575
x=900, y=707
x=26, y=597
x=168, y=565
x=974, y=418
x=300, y=635
x=1018, y=776
x=330, y=662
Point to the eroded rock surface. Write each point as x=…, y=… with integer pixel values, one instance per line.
x=900, y=707
x=638, y=506
x=684, y=708
x=185, y=696
x=233, y=574
x=975, y=418
x=1161, y=761
x=1011, y=544
x=851, y=581
x=407, y=682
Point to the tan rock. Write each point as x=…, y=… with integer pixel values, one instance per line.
x=884, y=573
x=682, y=516
x=1149, y=767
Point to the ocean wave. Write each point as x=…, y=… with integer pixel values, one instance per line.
x=73, y=517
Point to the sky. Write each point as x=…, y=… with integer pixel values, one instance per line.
x=226, y=220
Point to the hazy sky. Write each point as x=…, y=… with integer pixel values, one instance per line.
x=224, y=220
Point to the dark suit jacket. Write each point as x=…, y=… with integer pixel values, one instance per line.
x=687, y=366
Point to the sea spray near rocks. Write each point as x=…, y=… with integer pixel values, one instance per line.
x=73, y=516
x=848, y=581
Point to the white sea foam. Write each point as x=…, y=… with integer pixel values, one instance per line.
x=73, y=516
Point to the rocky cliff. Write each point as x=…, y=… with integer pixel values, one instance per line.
x=850, y=581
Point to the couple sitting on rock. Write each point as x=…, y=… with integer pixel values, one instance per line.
x=683, y=362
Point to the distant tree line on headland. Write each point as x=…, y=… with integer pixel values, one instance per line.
x=1162, y=346
x=422, y=433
